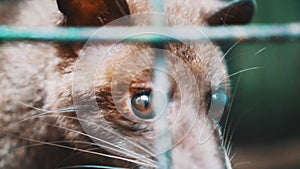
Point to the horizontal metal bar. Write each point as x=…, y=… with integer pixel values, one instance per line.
x=284, y=32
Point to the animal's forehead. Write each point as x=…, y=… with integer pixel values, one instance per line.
x=127, y=61
x=204, y=59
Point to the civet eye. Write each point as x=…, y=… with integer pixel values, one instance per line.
x=141, y=105
x=220, y=97
x=219, y=101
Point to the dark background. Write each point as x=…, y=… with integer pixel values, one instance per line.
x=266, y=109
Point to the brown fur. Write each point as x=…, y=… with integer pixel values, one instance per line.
x=37, y=75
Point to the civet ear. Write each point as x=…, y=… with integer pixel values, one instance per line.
x=92, y=12
x=235, y=13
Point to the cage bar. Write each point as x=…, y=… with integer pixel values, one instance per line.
x=249, y=33
x=163, y=140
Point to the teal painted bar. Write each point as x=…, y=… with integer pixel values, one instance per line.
x=163, y=140
x=259, y=32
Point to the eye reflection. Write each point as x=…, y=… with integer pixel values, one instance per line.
x=141, y=105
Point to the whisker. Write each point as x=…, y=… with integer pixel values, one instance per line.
x=244, y=70
x=228, y=138
x=260, y=51
x=230, y=108
x=55, y=142
x=37, y=115
x=230, y=49
x=84, y=120
x=43, y=110
x=91, y=166
x=229, y=146
x=120, y=8
x=233, y=156
x=73, y=155
x=89, y=152
x=73, y=109
x=116, y=134
x=222, y=85
x=116, y=149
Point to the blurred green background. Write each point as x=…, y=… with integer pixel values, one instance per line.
x=267, y=103
x=266, y=107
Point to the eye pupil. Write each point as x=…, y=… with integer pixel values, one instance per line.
x=142, y=105
x=142, y=102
